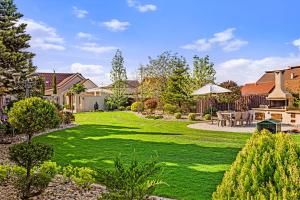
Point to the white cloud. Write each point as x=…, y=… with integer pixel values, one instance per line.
x=297, y=43
x=94, y=72
x=79, y=13
x=43, y=36
x=116, y=25
x=225, y=39
x=141, y=7
x=95, y=48
x=249, y=70
x=84, y=35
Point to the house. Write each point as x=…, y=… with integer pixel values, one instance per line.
x=80, y=102
x=131, y=88
x=265, y=84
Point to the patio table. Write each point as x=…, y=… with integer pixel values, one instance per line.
x=229, y=114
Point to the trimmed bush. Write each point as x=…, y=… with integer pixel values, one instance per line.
x=178, y=115
x=49, y=167
x=192, y=116
x=207, y=117
x=83, y=177
x=268, y=167
x=32, y=115
x=137, y=106
x=150, y=104
x=128, y=108
x=4, y=172
x=68, y=117
x=154, y=117
x=121, y=108
x=169, y=108
x=136, y=180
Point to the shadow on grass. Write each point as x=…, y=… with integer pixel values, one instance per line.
x=191, y=171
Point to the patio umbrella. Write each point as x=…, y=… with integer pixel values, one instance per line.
x=210, y=89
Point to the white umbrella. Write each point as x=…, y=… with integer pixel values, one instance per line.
x=210, y=89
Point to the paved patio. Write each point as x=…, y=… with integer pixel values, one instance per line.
x=239, y=129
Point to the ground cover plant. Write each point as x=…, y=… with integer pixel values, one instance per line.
x=195, y=160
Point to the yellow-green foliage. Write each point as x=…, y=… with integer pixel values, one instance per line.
x=268, y=167
x=83, y=176
x=137, y=106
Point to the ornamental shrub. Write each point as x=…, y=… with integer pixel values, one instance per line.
x=207, y=117
x=128, y=107
x=268, y=167
x=83, y=177
x=137, y=106
x=4, y=172
x=32, y=115
x=170, y=109
x=150, y=104
x=178, y=115
x=67, y=117
x=49, y=167
x=192, y=116
x=29, y=156
x=121, y=108
x=136, y=180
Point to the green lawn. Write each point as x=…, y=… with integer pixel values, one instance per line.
x=195, y=160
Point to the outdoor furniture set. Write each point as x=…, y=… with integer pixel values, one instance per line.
x=234, y=118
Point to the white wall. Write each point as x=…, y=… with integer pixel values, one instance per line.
x=87, y=103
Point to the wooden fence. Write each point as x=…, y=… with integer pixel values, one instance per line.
x=242, y=104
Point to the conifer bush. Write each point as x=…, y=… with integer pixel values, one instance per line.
x=268, y=167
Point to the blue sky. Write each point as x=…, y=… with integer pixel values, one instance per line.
x=242, y=38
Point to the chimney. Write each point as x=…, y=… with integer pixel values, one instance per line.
x=279, y=92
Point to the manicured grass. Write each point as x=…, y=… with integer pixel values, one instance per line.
x=195, y=160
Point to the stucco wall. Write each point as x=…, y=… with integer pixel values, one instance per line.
x=87, y=103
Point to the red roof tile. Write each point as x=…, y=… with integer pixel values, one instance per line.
x=59, y=78
x=257, y=89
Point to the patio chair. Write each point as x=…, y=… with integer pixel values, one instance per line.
x=220, y=119
x=245, y=117
x=238, y=118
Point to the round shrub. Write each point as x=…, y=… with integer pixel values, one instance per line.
x=137, y=106
x=207, y=117
x=67, y=117
x=192, y=116
x=150, y=104
x=268, y=167
x=32, y=115
x=128, y=108
x=170, y=109
x=121, y=108
x=178, y=115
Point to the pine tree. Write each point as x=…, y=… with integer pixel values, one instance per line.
x=177, y=91
x=204, y=71
x=54, y=83
x=118, y=77
x=14, y=58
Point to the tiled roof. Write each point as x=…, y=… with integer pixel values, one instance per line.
x=257, y=89
x=128, y=83
x=60, y=77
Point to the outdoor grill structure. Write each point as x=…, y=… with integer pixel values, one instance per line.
x=274, y=126
x=278, y=102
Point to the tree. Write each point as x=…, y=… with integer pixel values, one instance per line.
x=118, y=77
x=54, y=83
x=32, y=115
x=14, y=58
x=155, y=75
x=231, y=97
x=204, y=71
x=268, y=167
x=77, y=88
x=177, y=90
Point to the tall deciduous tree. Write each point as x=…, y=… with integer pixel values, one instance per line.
x=118, y=77
x=204, y=71
x=54, y=83
x=178, y=84
x=14, y=57
x=232, y=96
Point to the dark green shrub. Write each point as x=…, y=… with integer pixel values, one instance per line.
x=83, y=177
x=32, y=115
x=137, y=106
x=268, y=167
x=178, y=115
x=170, y=109
x=210, y=110
x=154, y=117
x=30, y=155
x=207, y=117
x=134, y=181
x=192, y=116
x=68, y=117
